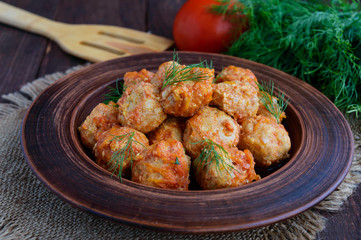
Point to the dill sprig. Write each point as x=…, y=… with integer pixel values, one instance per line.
x=115, y=93
x=266, y=97
x=212, y=153
x=205, y=64
x=176, y=73
x=317, y=42
x=119, y=156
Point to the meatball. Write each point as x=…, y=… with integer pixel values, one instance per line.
x=232, y=73
x=262, y=110
x=171, y=128
x=238, y=99
x=163, y=165
x=231, y=168
x=160, y=75
x=210, y=123
x=133, y=78
x=184, y=98
x=101, y=118
x=266, y=139
x=139, y=108
x=116, y=148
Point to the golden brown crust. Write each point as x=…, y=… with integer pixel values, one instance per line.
x=183, y=99
x=238, y=99
x=233, y=73
x=101, y=118
x=139, y=108
x=109, y=142
x=143, y=109
x=158, y=79
x=163, y=165
x=262, y=110
x=133, y=78
x=210, y=123
x=266, y=139
x=236, y=170
x=170, y=129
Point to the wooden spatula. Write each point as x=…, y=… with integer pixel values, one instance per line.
x=91, y=42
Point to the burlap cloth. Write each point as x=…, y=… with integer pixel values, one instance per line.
x=28, y=210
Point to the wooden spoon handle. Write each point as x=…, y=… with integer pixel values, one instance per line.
x=22, y=19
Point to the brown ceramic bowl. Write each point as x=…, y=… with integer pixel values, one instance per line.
x=321, y=154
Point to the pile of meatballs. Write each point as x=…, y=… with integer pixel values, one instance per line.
x=169, y=126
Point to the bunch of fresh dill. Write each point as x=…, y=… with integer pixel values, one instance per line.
x=317, y=42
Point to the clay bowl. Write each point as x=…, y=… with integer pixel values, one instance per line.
x=321, y=155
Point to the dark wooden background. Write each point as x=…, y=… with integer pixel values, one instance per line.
x=25, y=57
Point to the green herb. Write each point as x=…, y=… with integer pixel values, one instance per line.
x=212, y=153
x=115, y=93
x=205, y=64
x=177, y=161
x=122, y=154
x=267, y=95
x=317, y=42
x=176, y=73
x=354, y=108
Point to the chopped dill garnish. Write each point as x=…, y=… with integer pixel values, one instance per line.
x=122, y=154
x=177, y=161
x=267, y=96
x=176, y=73
x=212, y=153
x=205, y=64
x=316, y=41
x=115, y=93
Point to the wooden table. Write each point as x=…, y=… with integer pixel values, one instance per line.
x=25, y=57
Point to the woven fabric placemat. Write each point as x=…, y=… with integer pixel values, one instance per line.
x=28, y=210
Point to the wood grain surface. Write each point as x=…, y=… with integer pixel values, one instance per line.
x=317, y=165
x=93, y=42
x=25, y=56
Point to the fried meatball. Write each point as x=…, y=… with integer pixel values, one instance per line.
x=171, y=128
x=117, y=147
x=266, y=139
x=139, y=108
x=160, y=75
x=262, y=110
x=101, y=118
x=233, y=168
x=133, y=78
x=210, y=123
x=233, y=73
x=238, y=99
x=163, y=165
x=184, y=98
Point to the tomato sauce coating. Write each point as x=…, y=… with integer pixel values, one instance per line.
x=164, y=165
x=238, y=99
x=237, y=169
x=178, y=121
x=171, y=128
x=183, y=99
x=139, y=108
x=210, y=123
x=133, y=78
x=233, y=73
x=114, y=141
x=101, y=118
x=266, y=139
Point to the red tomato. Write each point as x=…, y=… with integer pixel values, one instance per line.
x=195, y=28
